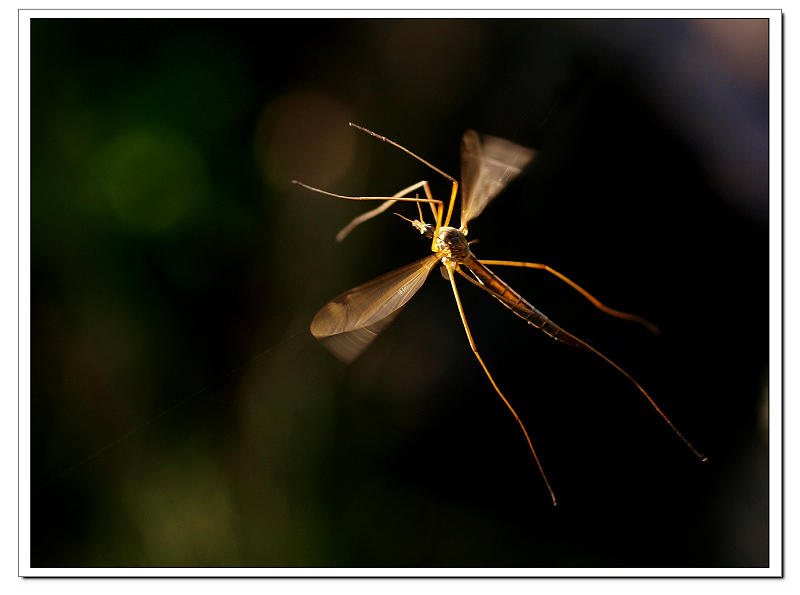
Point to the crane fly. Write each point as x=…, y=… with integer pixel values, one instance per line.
x=350, y=322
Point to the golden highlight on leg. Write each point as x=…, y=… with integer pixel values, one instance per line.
x=361, y=218
x=597, y=303
x=453, y=194
x=436, y=205
x=377, y=211
x=434, y=168
x=576, y=342
x=649, y=398
x=486, y=370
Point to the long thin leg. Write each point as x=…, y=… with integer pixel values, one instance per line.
x=453, y=193
x=697, y=453
x=436, y=205
x=560, y=334
x=533, y=265
x=485, y=369
x=377, y=211
x=450, y=207
x=361, y=218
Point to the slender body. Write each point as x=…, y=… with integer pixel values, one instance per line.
x=350, y=322
x=454, y=242
x=517, y=304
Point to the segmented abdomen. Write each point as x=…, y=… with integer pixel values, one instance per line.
x=518, y=305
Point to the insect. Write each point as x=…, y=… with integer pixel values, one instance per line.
x=350, y=322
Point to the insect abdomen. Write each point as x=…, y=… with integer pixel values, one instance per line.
x=519, y=306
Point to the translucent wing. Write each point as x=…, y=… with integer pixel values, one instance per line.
x=488, y=164
x=349, y=323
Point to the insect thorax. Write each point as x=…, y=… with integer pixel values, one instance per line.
x=454, y=241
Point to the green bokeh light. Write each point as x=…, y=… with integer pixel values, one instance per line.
x=152, y=178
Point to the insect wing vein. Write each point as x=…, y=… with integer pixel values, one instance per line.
x=349, y=323
x=488, y=164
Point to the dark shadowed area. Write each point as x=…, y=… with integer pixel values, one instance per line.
x=182, y=413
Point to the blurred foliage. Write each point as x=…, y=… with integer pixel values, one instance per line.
x=182, y=415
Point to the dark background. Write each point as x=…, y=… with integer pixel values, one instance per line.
x=182, y=414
